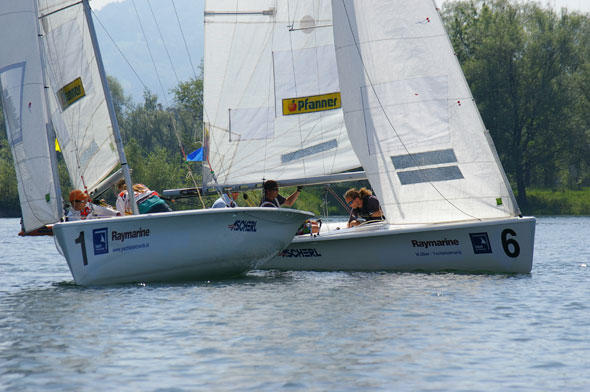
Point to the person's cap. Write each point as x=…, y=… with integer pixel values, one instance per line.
x=271, y=185
x=77, y=194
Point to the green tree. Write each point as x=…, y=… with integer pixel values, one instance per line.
x=188, y=97
x=9, y=203
x=519, y=61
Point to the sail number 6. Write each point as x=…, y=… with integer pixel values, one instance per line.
x=511, y=247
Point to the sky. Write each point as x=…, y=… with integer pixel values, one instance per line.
x=167, y=43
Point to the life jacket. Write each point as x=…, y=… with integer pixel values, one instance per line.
x=271, y=203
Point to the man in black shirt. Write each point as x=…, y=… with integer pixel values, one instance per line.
x=273, y=199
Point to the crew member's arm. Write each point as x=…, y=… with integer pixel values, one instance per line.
x=291, y=199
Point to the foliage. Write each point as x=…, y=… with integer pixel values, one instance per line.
x=9, y=205
x=564, y=202
x=528, y=70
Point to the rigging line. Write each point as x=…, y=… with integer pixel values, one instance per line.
x=163, y=42
x=356, y=44
x=149, y=51
x=190, y=172
x=184, y=40
x=120, y=51
x=201, y=100
x=339, y=199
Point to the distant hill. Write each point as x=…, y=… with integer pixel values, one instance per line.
x=121, y=22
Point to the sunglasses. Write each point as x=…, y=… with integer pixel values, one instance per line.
x=350, y=203
x=78, y=201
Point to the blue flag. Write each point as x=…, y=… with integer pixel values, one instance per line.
x=195, y=156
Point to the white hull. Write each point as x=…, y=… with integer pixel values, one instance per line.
x=495, y=246
x=182, y=245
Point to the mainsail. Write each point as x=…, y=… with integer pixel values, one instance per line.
x=25, y=113
x=411, y=117
x=78, y=106
x=271, y=91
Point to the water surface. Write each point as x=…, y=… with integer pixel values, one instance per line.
x=305, y=331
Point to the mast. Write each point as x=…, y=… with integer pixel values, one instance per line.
x=50, y=132
x=111, y=108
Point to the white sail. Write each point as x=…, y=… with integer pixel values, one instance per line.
x=78, y=107
x=411, y=117
x=25, y=113
x=271, y=91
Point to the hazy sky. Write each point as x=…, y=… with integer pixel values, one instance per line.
x=128, y=38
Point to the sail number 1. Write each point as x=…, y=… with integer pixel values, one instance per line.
x=80, y=240
x=511, y=247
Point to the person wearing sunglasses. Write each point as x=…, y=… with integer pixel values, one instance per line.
x=364, y=207
x=82, y=208
x=273, y=199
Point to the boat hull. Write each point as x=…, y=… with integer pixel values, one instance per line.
x=490, y=246
x=182, y=245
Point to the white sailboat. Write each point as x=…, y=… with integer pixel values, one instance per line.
x=53, y=84
x=300, y=92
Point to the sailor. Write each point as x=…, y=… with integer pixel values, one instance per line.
x=148, y=201
x=227, y=200
x=364, y=206
x=273, y=199
x=82, y=208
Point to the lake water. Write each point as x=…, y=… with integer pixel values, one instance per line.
x=303, y=331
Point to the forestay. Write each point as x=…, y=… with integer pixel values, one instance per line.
x=411, y=117
x=78, y=106
x=271, y=91
x=25, y=113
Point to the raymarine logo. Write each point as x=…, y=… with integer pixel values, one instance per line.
x=100, y=241
x=434, y=243
x=310, y=252
x=122, y=236
x=316, y=103
x=242, y=225
x=481, y=243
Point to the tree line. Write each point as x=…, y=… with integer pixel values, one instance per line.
x=528, y=69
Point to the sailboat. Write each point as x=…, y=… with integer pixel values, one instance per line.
x=53, y=85
x=311, y=91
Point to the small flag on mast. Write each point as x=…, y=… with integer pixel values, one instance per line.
x=195, y=156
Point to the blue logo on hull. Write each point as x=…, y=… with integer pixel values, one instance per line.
x=100, y=241
x=481, y=243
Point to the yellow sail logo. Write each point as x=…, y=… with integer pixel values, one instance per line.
x=70, y=93
x=315, y=103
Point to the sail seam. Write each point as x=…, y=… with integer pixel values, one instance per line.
x=59, y=10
